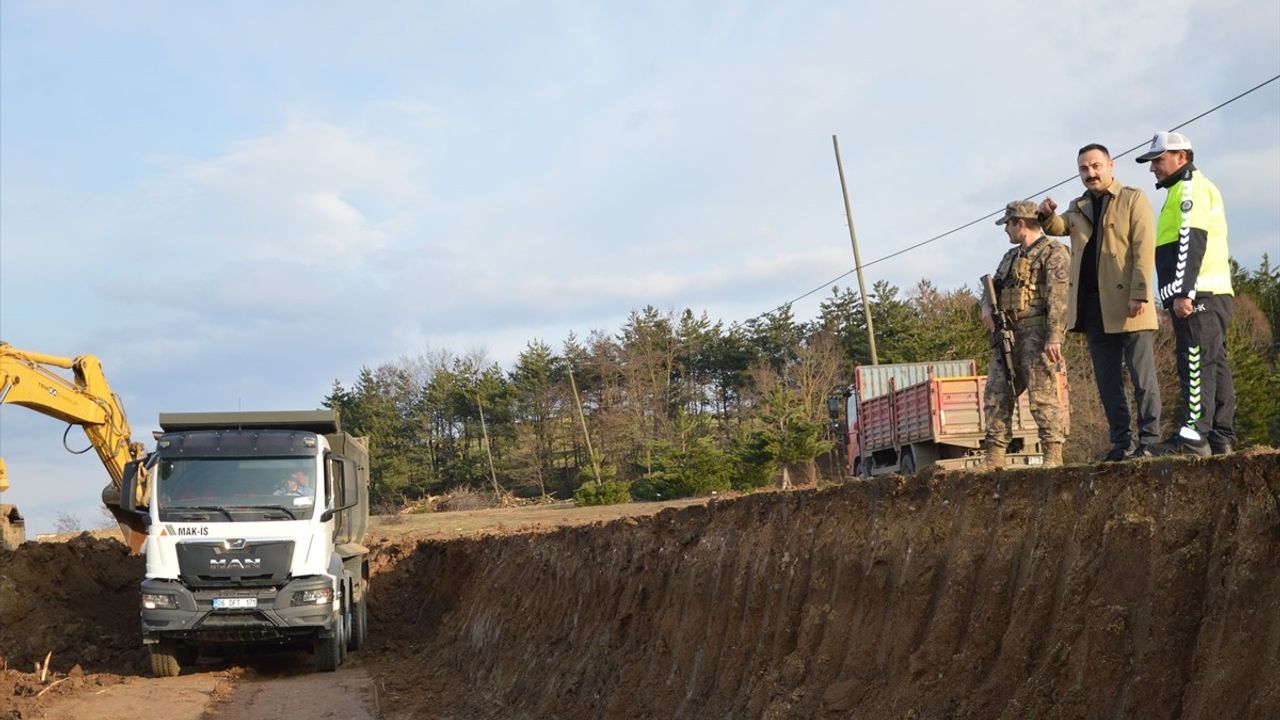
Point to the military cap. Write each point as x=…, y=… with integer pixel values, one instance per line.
x=1019, y=209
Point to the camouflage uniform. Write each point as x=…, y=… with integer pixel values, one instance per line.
x=1031, y=283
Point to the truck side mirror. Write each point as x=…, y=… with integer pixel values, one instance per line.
x=346, y=486
x=127, y=488
x=129, y=491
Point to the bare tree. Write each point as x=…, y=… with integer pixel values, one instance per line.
x=67, y=523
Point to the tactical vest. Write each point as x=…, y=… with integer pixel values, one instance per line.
x=1018, y=280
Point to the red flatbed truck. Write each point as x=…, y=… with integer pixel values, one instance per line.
x=905, y=416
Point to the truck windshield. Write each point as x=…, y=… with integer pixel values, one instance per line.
x=230, y=488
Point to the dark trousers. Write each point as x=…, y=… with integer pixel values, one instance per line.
x=1112, y=353
x=1208, y=390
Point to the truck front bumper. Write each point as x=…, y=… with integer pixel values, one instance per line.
x=265, y=614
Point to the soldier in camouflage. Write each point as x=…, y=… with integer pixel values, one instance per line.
x=1031, y=288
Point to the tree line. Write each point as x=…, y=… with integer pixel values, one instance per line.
x=677, y=404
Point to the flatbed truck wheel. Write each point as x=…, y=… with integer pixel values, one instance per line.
x=907, y=464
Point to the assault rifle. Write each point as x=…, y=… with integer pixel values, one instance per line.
x=1002, y=339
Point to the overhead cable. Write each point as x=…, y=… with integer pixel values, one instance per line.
x=990, y=215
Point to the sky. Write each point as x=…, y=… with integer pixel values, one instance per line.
x=235, y=204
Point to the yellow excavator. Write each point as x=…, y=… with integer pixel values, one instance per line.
x=29, y=379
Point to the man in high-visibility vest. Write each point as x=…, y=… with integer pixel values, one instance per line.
x=1194, y=274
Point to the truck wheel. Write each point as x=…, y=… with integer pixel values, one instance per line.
x=359, y=625
x=907, y=464
x=328, y=652
x=346, y=633
x=164, y=659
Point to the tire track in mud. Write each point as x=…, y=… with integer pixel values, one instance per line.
x=1135, y=590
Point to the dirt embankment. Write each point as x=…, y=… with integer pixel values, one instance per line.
x=1145, y=590
x=77, y=600
x=1136, y=590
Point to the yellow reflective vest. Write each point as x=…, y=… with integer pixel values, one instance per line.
x=1191, y=239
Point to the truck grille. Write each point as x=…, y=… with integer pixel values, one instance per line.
x=253, y=564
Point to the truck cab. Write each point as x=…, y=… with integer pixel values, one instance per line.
x=255, y=523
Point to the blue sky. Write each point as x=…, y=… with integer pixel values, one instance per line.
x=233, y=204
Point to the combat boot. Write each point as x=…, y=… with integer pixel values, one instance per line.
x=994, y=459
x=1052, y=454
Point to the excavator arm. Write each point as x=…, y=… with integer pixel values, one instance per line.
x=27, y=379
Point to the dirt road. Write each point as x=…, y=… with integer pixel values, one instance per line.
x=1146, y=589
x=236, y=694
x=75, y=600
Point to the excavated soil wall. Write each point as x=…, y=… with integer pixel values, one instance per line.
x=1139, y=590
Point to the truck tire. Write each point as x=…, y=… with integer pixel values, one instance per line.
x=332, y=652
x=907, y=464
x=359, y=625
x=346, y=633
x=328, y=651
x=164, y=659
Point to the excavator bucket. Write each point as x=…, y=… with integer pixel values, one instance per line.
x=13, y=529
x=132, y=528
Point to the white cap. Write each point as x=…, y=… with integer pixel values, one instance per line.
x=1162, y=142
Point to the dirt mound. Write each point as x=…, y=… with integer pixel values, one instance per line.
x=1129, y=590
x=22, y=695
x=78, y=599
x=1125, y=590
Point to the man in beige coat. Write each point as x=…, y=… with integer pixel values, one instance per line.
x=1113, y=246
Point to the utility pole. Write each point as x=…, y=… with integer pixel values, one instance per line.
x=488, y=450
x=581, y=416
x=857, y=259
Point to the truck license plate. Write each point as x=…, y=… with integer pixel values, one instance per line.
x=234, y=603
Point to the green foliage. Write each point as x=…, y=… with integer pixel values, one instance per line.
x=1263, y=285
x=790, y=436
x=690, y=468
x=952, y=322
x=610, y=492
x=1256, y=375
x=754, y=465
x=607, y=471
x=1253, y=344
x=683, y=405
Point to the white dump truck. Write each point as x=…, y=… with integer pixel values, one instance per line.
x=254, y=528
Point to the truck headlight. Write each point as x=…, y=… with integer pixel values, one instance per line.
x=159, y=601
x=313, y=597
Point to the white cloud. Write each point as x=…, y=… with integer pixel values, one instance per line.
x=286, y=195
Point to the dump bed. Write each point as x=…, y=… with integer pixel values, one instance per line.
x=872, y=381
x=899, y=402
x=320, y=422
x=941, y=403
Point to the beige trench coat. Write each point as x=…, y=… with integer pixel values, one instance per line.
x=1126, y=259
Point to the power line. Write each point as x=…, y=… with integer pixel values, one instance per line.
x=990, y=215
